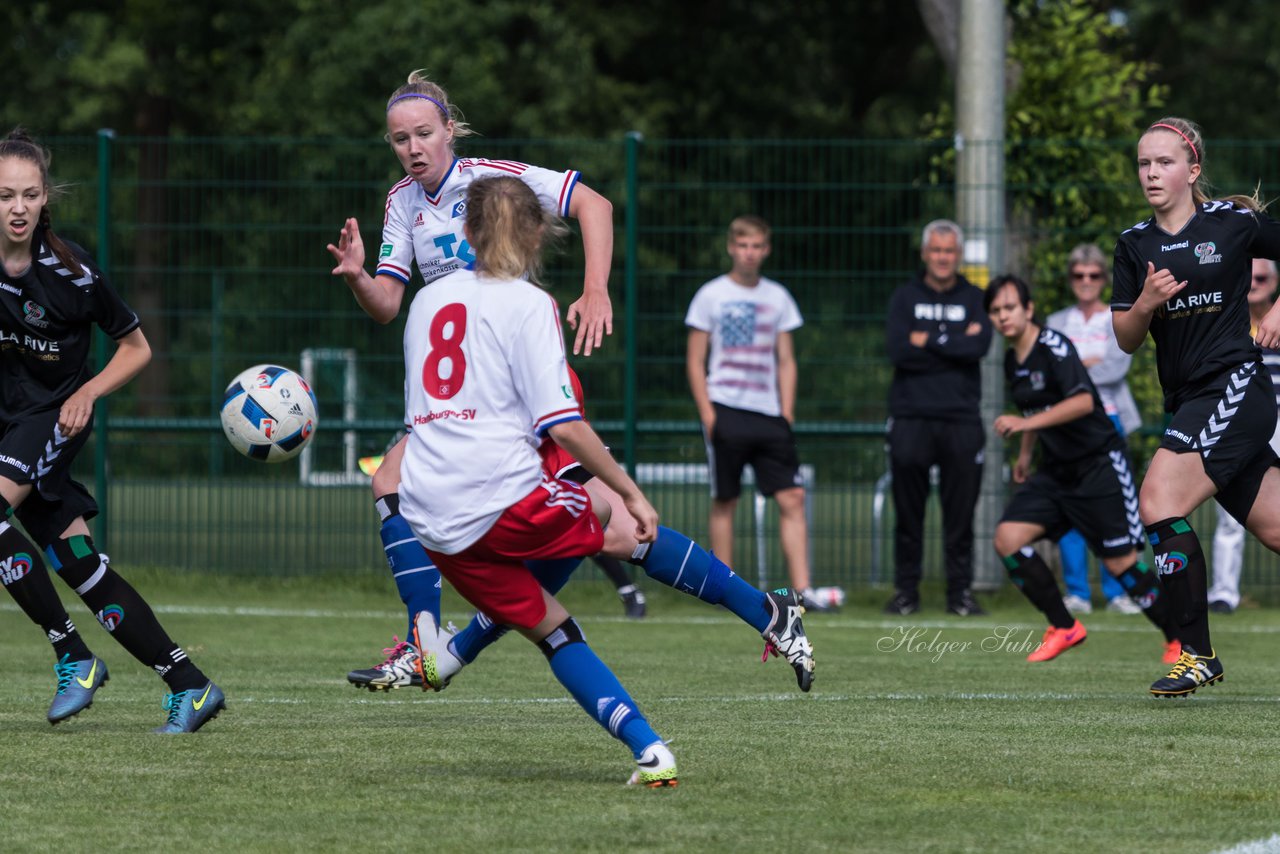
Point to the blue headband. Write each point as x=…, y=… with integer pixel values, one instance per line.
x=443, y=108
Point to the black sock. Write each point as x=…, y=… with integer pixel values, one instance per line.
x=1184, y=578
x=614, y=569
x=1032, y=576
x=1143, y=587
x=124, y=613
x=25, y=577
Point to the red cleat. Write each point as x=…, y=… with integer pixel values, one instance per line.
x=1057, y=641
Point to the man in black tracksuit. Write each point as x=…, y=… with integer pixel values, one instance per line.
x=937, y=334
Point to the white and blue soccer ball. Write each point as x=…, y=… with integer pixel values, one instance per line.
x=269, y=413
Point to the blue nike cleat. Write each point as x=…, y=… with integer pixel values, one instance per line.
x=77, y=683
x=190, y=710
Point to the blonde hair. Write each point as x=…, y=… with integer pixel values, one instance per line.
x=420, y=85
x=1192, y=142
x=748, y=224
x=507, y=227
x=21, y=145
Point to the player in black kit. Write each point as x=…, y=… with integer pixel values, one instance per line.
x=51, y=296
x=1084, y=480
x=1183, y=275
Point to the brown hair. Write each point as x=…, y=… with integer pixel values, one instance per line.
x=1192, y=141
x=418, y=84
x=507, y=227
x=748, y=224
x=18, y=143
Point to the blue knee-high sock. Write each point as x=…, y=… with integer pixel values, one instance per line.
x=481, y=631
x=594, y=686
x=1075, y=563
x=677, y=561
x=416, y=577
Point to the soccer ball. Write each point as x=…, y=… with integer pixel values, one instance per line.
x=269, y=413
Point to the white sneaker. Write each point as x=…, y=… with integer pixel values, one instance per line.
x=656, y=768
x=399, y=668
x=823, y=598
x=1122, y=604
x=436, y=664
x=1076, y=605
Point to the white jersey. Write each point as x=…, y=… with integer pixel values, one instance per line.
x=486, y=378
x=426, y=227
x=744, y=324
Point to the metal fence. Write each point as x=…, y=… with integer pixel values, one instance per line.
x=219, y=244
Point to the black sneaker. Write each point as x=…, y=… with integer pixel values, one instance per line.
x=902, y=605
x=1218, y=606
x=964, y=605
x=632, y=601
x=1189, y=673
x=785, y=637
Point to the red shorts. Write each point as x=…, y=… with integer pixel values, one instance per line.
x=553, y=521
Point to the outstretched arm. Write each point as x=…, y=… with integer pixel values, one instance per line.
x=379, y=297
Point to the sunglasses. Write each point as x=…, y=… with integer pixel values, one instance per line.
x=1090, y=276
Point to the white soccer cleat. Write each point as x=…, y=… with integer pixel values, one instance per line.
x=656, y=768
x=436, y=664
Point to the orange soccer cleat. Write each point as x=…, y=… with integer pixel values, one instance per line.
x=1057, y=641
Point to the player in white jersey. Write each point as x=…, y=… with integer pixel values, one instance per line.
x=422, y=227
x=486, y=379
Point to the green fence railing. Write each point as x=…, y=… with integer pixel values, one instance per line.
x=219, y=244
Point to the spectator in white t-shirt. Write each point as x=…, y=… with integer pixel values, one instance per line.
x=742, y=372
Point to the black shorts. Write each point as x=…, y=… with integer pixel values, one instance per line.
x=33, y=451
x=765, y=441
x=1229, y=421
x=1099, y=498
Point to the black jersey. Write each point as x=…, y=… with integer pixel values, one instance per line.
x=1204, y=330
x=46, y=326
x=1051, y=373
x=942, y=379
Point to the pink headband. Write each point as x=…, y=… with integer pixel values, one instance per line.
x=443, y=108
x=1185, y=138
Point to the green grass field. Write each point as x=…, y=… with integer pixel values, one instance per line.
x=948, y=742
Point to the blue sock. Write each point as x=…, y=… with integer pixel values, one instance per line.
x=594, y=686
x=1075, y=563
x=416, y=577
x=677, y=561
x=481, y=631
x=477, y=635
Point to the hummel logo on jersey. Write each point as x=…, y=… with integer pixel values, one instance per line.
x=1169, y=247
x=418, y=223
x=5, y=286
